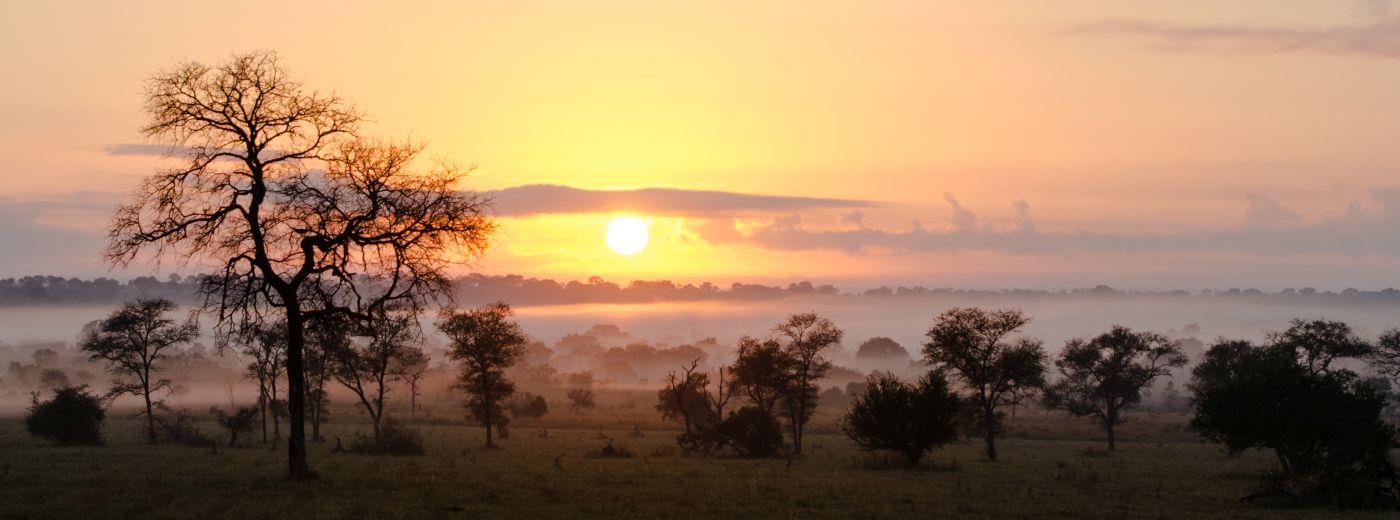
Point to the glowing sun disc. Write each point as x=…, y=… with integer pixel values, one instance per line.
x=627, y=236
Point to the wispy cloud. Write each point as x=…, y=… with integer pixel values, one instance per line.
x=1378, y=38
x=539, y=199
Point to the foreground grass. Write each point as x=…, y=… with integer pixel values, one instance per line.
x=532, y=476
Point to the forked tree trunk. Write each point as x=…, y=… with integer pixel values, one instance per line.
x=989, y=418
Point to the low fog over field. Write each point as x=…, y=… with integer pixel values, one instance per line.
x=635, y=344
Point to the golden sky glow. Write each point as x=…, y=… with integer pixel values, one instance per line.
x=1104, y=117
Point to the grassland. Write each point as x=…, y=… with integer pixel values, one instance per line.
x=1052, y=468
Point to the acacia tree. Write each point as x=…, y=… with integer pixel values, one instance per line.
x=366, y=368
x=133, y=340
x=804, y=338
x=485, y=341
x=1106, y=375
x=976, y=345
x=1385, y=354
x=302, y=217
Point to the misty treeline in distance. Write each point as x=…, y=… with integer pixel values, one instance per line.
x=1289, y=395
x=479, y=289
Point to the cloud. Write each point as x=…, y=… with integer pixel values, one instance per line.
x=53, y=235
x=961, y=218
x=1266, y=212
x=1379, y=37
x=1269, y=229
x=537, y=199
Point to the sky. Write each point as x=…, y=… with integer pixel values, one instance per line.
x=1139, y=144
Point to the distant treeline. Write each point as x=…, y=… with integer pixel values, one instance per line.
x=525, y=291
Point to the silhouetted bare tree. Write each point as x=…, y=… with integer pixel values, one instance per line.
x=133, y=340
x=366, y=368
x=804, y=338
x=975, y=344
x=486, y=342
x=1106, y=375
x=304, y=218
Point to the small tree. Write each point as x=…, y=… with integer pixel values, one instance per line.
x=365, y=369
x=1108, y=374
x=805, y=336
x=266, y=344
x=485, y=341
x=133, y=341
x=411, y=369
x=239, y=421
x=1322, y=422
x=73, y=417
x=906, y=419
x=326, y=337
x=975, y=345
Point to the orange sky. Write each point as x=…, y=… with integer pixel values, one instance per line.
x=1218, y=127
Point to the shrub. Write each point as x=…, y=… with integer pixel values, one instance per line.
x=392, y=440
x=581, y=398
x=528, y=406
x=240, y=421
x=752, y=433
x=612, y=452
x=73, y=417
x=180, y=428
x=903, y=418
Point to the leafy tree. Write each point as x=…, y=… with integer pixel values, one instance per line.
x=1322, y=422
x=365, y=368
x=72, y=418
x=975, y=345
x=134, y=340
x=805, y=336
x=1104, y=376
x=236, y=422
x=762, y=372
x=485, y=341
x=881, y=348
x=304, y=217
x=907, y=419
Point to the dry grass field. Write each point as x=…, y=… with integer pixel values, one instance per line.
x=1053, y=468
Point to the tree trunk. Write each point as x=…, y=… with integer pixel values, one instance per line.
x=1108, y=428
x=262, y=406
x=276, y=424
x=487, y=422
x=989, y=418
x=297, y=466
x=150, y=416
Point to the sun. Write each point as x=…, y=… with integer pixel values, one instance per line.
x=627, y=236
